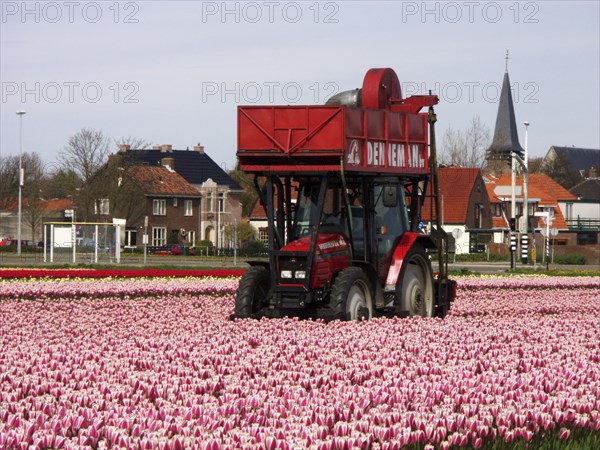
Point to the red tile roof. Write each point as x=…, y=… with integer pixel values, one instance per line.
x=53, y=204
x=158, y=180
x=258, y=212
x=456, y=184
x=540, y=186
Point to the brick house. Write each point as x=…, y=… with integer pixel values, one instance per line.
x=464, y=205
x=219, y=195
x=171, y=206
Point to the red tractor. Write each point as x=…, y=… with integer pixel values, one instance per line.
x=343, y=185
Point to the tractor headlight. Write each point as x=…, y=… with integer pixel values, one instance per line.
x=301, y=274
x=286, y=274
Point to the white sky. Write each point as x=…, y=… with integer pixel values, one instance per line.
x=170, y=72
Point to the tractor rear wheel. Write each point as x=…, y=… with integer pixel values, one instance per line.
x=351, y=297
x=253, y=292
x=414, y=291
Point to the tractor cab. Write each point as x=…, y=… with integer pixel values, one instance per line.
x=322, y=225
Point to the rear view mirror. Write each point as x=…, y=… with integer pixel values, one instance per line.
x=390, y=196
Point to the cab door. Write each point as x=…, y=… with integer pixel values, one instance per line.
x=390, y=222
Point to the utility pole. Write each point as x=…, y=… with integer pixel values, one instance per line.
x=21, y=179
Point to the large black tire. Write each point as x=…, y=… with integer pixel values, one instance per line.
x=253, y=293
x=351, y=295
x=414, y=290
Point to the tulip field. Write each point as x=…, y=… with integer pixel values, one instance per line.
x=155, y=363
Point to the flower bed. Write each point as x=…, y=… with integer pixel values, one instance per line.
x=116, y=273
x=96, y=366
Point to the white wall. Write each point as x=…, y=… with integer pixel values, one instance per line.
x=585, y=210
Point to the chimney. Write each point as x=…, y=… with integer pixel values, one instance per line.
x=199, y=148
x=593, y=172
x=166, y=148
x=168, y=163
x=156, y=147
x=124, y=147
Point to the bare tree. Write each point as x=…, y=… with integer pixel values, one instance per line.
x=114, y=183
x=61, y=183
x=33, y=186
x=32, y=190
x=85, y=153
x=134, y=143
x=9, y=180
x=559, y=170
x=535, y=164
x=248, y=198
x=465, y=148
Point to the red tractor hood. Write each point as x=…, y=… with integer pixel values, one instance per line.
x=326, y=243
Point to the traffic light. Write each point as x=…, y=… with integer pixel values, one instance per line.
x=513, y=224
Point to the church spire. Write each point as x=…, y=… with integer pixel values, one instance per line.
x=506, y=137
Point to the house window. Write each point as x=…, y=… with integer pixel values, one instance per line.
x=497, y=209
x=209, y=202
x=102, y=207
x=159, y=236
x=188, y=208
x=175, y=202
x=263, y=235
x=221, y=201
x=130, y=238
x=159, y=207
x=477, y=211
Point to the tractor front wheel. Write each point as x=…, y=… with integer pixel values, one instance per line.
x=351, y=297
x=253, y=292
x=414, y=292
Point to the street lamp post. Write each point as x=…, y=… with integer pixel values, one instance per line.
x=20, y=114
x=525, y=252
x=513, y=209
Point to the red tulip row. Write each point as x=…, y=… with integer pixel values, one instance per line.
x=170, y=371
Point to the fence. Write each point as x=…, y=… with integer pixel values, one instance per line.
x=583, y=224
x=82, y=242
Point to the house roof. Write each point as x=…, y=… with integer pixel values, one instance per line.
x=258, y=212
x=578, y=158
x=160, y=181
x=195, y=166
x=57, y=204
x=53, y=204
x=587, y=190
x=456, y=185
x=540, y=186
